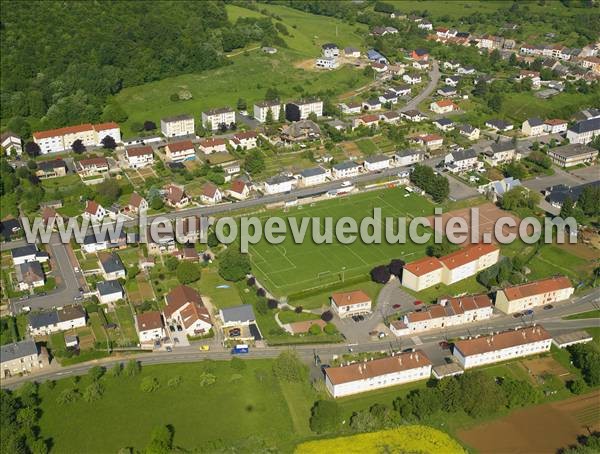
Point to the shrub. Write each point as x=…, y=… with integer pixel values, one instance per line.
x=315, y=330
x=207, y=379
x=298, y=309
x=261, y=292
x=325, y=416
x=330, y=328
x=396, y=266
x=576, y=386
x=250, y=281
x=380, y=274
x=149, y=384
x=272, y=304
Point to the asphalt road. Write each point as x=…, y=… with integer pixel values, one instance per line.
x=434, y=77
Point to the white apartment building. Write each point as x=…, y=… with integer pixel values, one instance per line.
x=408, y=157
x=216, y=117
x=279, y=184
x=61, y=139
x=345, y=169
x=533, y=127
x=300, y=110
x=139, y=157
x=533, y=294
x=313, y=176
x=503, y=346
x=421, y=274
x=261, y=110
x=376, y=163
x=150, y=327
x=326, y=62
x=347, y=304
x=378, y=373
x=584, y=131
x=179, y=125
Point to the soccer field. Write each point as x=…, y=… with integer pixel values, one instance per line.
x=288, y=268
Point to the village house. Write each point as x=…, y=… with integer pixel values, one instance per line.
x=444, y=124
x=379, y=373
x=11, y=143
x=496, y=189
x=175, y=196
x=111, y=265
x=300, y=131
x=330, y=50
x=534, y=76
x=556, y=195
x=452, y=81
x=93, y=244
x=139, y=157
x=211, y=194
x=180, y=151
x=533, y=127
x=430, y=141
x=150, y=327
x=92, y=166
x=371, y=104
x=52, y=168
x=28, y=253
x=408, y=157
x=374, y=55
x=425, y=25
x=245, y=140
x=63, y=319
x=388, y=97
x=573, y=154
x=446, y=91
x=345, y=169
x=412, y=79
x=555, y=126
x=313, y=176
x=443, y=106
x=451, y=65
x=51, y=217
x=390, y=117
x=468, y=131
x=300, y=110
x=501, y=153
x=29, y=275
x=352, y=52
x=184, y=306
x=177, y=126
x=502, y=346
x=22, y=357
x=498, y=125
x=215, y=118
x=93, y=211
x=279, y=184
x=365, y=120
x=109, y=291
x=350, y=108
x=533, y=294
x=376, y=163
x=413, y=115
x=326, y=62
x=348, y=304
x=584, y=131
x=137, y=204
x=239, y=190
x=420, y=65
x=212, y=145
x=467, y=70
x=236, y=316
x=261, y=110
x=420, y=54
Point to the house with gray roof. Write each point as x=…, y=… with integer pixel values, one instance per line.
x=501, y=153
x=46, y=322
x=109, y=291
x=461, y=160
x=346, y=169
x=21, y=357
x=313, y=176
x=112, y=266
x=237, y=315
x=376, y=163
x=29, y=275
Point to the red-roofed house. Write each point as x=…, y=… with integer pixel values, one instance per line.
x=185, y=307
x=422, y=273
x=443, y=106
x=211, y=194
x=347, y=304
x=468, y=261
x=150, y=327
x=208, y=146
x=175, y=196
x=137, y=203
x=365, y=120
x=555, y=126
x=139, y=157
x=180, y=151
x=537, y=293
x=94, y=211
x=92, y=166
x=239, y=190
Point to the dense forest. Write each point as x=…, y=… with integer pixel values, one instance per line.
x=62, y=61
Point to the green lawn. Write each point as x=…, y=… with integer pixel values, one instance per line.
x=243, y=404
x=221, y=293
x=126, y=323
x=321, y=299
x=288, y=268
x=367, y=146
x=553, y=260
x=584, y=315
x=291, y=316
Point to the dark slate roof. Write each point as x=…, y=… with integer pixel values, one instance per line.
x=278, y=179
x=112, y=263
x=500, y=124
x=586, y=126
x=314, y=171
x=444, y=121
x=461, y=155
x=573, y=149
x=377, y=158
x=345, y=165
x=408, y=152
x=17, y=350
x=109, y=287
x=243, y=313
x=24, y=251
x=535, y=122
x=502, y=146
x=329, y=46
x=559, y=193
x=467, y=128
x=41, y=319
x=51, y=164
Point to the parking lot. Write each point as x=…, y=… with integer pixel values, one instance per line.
x=178, y=338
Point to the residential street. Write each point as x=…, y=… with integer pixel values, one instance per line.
x=434, y=77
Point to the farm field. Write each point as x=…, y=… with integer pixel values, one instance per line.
x=549, y=427
x=264, y=409
x=287, y=268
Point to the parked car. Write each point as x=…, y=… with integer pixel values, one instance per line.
x=397, y=306
x=548, y=306
x=443, y=344
x=418, y=303
x=169, y=349
x=179, y=328
x=205, y=348
x=172, y=328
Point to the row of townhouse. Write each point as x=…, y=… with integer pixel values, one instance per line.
x=451, y=268
x=538, y=127
x=61, y=139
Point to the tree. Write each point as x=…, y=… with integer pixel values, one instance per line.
x=327, y=316
x=132, y=368
x=440, y=249
x=272, y=94
x=212, y=241
x=315, y=330
x=288, y=367
x=512, y=60
x=32, y=149
x=330, y=328
x=241, y=104
x=269, y=117
x=161, y=441
x=576, y=386
x=324, y=416
x=495, y=102
x=380, y=274
x=206, y=379
x=108, y=192
x=187, y=272
x=281, y=118
x=78, y=146
x=93, y=392
x=157, y=203
x=272, y=304
x=567, y=209
x=254, y=162
x=171, y=263
x=109, y=143
x=95, y=373
x=396, y=266
x=149, y=125
x=233, y=265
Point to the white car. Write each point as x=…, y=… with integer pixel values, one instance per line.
x=346, y=183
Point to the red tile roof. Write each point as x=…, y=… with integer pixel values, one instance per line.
x=105, y=126
x=93, y=162
x=468, y=254
x=179, y=297
x=350, y=298
x=208, y=143
x=246, y=135
x=238, y=186
x=500, y=341
x=555, y=122
x=174, y=193
x=540, y=287
x=91, y=207
x=180, y=146
x=445, y=103
x=423, y=266
x=149, y=320
x=63, y=131
x=139, y=151
x=135, y=200
x=209, y=190
x=371, y=118
x=377, y=367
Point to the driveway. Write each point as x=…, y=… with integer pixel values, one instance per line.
x=560, y=177
x=587, y=174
